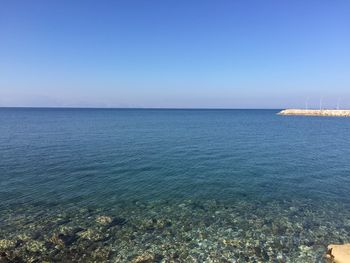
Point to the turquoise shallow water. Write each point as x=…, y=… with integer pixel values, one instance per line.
x=171, y=185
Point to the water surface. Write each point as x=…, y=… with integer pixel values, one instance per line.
x=126, y=185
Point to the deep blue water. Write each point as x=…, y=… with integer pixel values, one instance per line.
x=89, y=155
x=105, y=157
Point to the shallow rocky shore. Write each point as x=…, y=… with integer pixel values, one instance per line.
x=162, y=231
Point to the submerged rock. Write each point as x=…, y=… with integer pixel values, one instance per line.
x=231, y=242
x=91, y=235
x=144, y=258
x=35, y=246
x=104, y=220
x=101, y=254
x=62, y=240
x=7, y=244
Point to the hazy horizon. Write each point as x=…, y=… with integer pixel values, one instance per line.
x=155, y=108
x=198, y=54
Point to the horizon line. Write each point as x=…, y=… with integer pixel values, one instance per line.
x=133, y=108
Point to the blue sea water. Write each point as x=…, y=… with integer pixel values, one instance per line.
x=254, y=164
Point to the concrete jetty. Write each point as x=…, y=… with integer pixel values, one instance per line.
x=325, y=113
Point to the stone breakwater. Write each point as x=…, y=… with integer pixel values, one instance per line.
x=331, y=113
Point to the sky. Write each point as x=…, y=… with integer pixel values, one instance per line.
x=175, y=53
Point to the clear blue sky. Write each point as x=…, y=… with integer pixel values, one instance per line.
x=216, y=54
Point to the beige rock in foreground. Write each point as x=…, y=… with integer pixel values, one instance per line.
x=339, y=253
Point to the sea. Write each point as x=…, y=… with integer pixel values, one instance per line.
x=171, y=185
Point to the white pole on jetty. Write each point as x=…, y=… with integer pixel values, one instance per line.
x=338, y=103
x=320, y=103
x=307, y=104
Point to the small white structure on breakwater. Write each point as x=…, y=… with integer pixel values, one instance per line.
x=328, y=113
